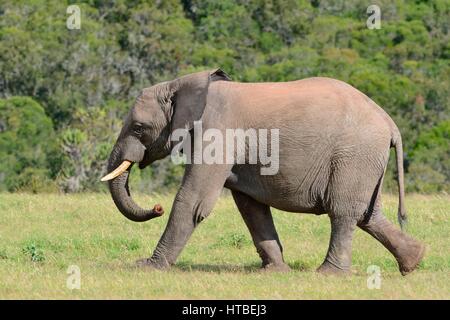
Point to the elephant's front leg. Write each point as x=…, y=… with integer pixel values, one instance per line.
x=194, y=201
x=258, y=218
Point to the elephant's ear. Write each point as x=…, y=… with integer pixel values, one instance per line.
x=189, y=96
x=218, y=74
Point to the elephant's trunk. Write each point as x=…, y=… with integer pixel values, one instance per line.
x=120, y=193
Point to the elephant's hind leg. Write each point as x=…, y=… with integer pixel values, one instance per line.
x=258, y=218
x=353, y=184
x=407, y=251
x=339, y=255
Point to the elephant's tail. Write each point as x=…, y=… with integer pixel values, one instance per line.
x=401, y=214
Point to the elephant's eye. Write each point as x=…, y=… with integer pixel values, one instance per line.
x=138, y=129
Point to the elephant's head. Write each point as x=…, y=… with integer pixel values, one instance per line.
x=145, y=136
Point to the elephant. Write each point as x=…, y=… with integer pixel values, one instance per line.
x=334, y=145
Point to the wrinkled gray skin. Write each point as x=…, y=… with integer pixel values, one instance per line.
x=334, y=148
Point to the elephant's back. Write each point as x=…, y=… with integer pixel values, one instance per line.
x=313, y=98
x=314, y=109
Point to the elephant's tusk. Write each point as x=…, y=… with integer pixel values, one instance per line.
x=118, y=171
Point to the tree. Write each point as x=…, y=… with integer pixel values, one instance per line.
x=429, y=170
x=27, y=142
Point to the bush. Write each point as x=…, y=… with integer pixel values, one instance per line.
x=33, y=180
x=26, y=141
x=430, y=161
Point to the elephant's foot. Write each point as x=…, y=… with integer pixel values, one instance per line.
x=276, y=267
x=147, y=263
x=407, y=251
x=409, y=259
x=328, y=268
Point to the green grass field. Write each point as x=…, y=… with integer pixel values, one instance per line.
x=42, y=235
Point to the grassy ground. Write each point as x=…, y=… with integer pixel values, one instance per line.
x=41, y=235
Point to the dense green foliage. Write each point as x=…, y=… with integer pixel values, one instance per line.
x=64, y=92
x=26, y=144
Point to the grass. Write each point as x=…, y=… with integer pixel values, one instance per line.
x=42, y=235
